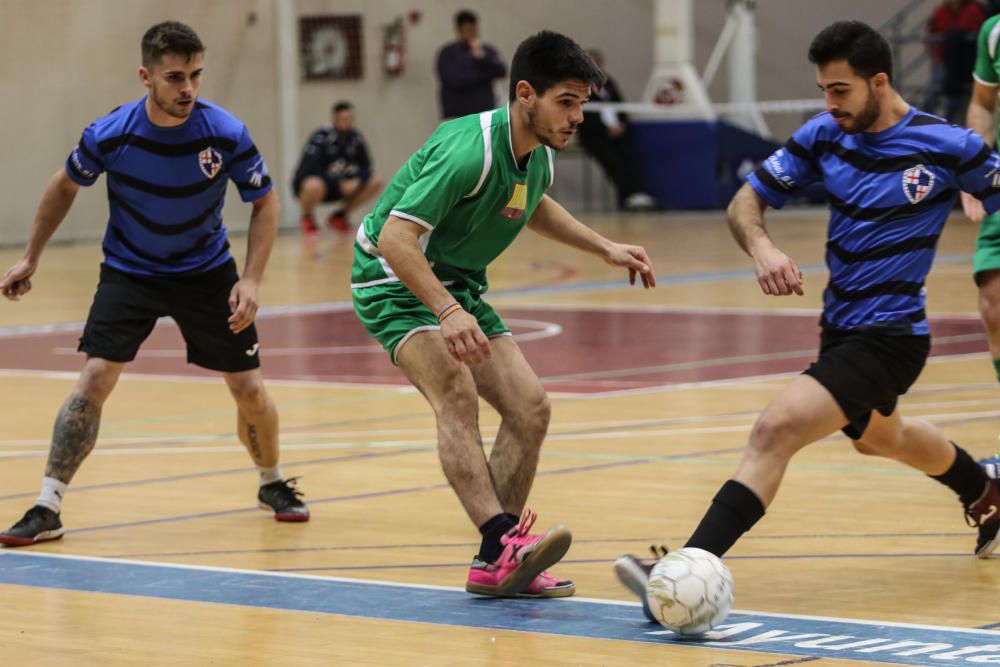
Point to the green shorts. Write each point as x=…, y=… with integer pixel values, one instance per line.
x=987, y=256
x=391, y=314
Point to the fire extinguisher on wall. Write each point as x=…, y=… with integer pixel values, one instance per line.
x=394, y=47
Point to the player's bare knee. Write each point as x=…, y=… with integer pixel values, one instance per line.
x=458, y=397
x=312, y=188
x=534, y=415
x=772, y=434
x=96, y=383
x=249, y=395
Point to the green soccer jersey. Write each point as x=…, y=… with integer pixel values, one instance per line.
x=464, y=186
x=987, y=69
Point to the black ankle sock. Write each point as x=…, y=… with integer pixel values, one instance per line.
x=965, y=477
x=492, y=530
x=734, y=511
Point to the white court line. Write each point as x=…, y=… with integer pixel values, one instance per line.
x=565, y=601
x=423, y=442
x=561, y=430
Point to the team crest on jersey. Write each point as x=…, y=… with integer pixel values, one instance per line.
x=917, y=183
x=210, y=161
x=518, y=201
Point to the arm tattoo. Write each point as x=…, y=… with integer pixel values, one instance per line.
x=73, y=437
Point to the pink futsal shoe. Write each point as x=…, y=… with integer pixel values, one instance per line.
x=520, y=569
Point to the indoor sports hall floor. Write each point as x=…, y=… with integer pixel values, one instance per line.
x=167, y=561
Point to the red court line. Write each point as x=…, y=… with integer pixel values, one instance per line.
x=572, y=349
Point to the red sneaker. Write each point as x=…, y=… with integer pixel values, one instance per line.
x=309, y=227
x=338, y=222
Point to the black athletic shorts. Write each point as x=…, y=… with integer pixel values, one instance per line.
x=331, y=182
x=867, y=371
x=126, y=308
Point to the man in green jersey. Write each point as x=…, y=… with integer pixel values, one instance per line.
x=419, y=275
x=981, y=119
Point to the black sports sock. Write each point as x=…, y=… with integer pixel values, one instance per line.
x=492, y=530
x=965, y=477
x=734, y=511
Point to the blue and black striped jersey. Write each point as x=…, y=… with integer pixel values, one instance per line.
x=167, y=185
x=890, y=193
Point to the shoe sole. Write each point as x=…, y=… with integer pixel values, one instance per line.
x=47, y=536
x=546, y=553
x=555, y=592
x=293, y=517
x=986, y=551
x=634, y=578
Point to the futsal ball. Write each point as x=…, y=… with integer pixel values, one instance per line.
x=690, y=591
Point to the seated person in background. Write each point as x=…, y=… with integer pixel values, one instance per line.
x=602, y=135
x=335, y=167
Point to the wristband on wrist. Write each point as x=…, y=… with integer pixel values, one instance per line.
x=450, y=309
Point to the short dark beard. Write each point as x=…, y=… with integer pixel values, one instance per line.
x=868, y=115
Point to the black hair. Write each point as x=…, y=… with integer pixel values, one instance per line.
x=548, y=58
x=864, y=49
x=465, y=16
x=341, y=106
x=169, y=37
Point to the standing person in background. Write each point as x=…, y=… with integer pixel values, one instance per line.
x=467, y=68
x=168, y=157
x=603, y=136
x=951, y=44
x=335, y=167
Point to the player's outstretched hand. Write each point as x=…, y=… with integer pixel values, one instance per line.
x=465, y=341
x=243, y=305
x=635, y=259
x=16, y=281
x=973, y=208
x=777, y=274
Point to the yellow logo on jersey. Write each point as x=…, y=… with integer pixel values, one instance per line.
x=518, y=201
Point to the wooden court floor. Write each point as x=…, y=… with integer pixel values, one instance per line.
x=166, y=561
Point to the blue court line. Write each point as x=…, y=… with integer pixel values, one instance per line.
x=775, y=634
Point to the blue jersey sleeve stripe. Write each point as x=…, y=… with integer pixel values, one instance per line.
x=164, y=190
x=881, y=252
x=78, y=176
x=891, y=287
x=159, y=228
x=888, y=165
x=888, y=213
x=247, y=154
x=989, y=192
x=977, y=160
x=799, y=151
x=90, y=156
x=166, y=150
x=249, y=187
x=771, y=198
x=768, y=180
